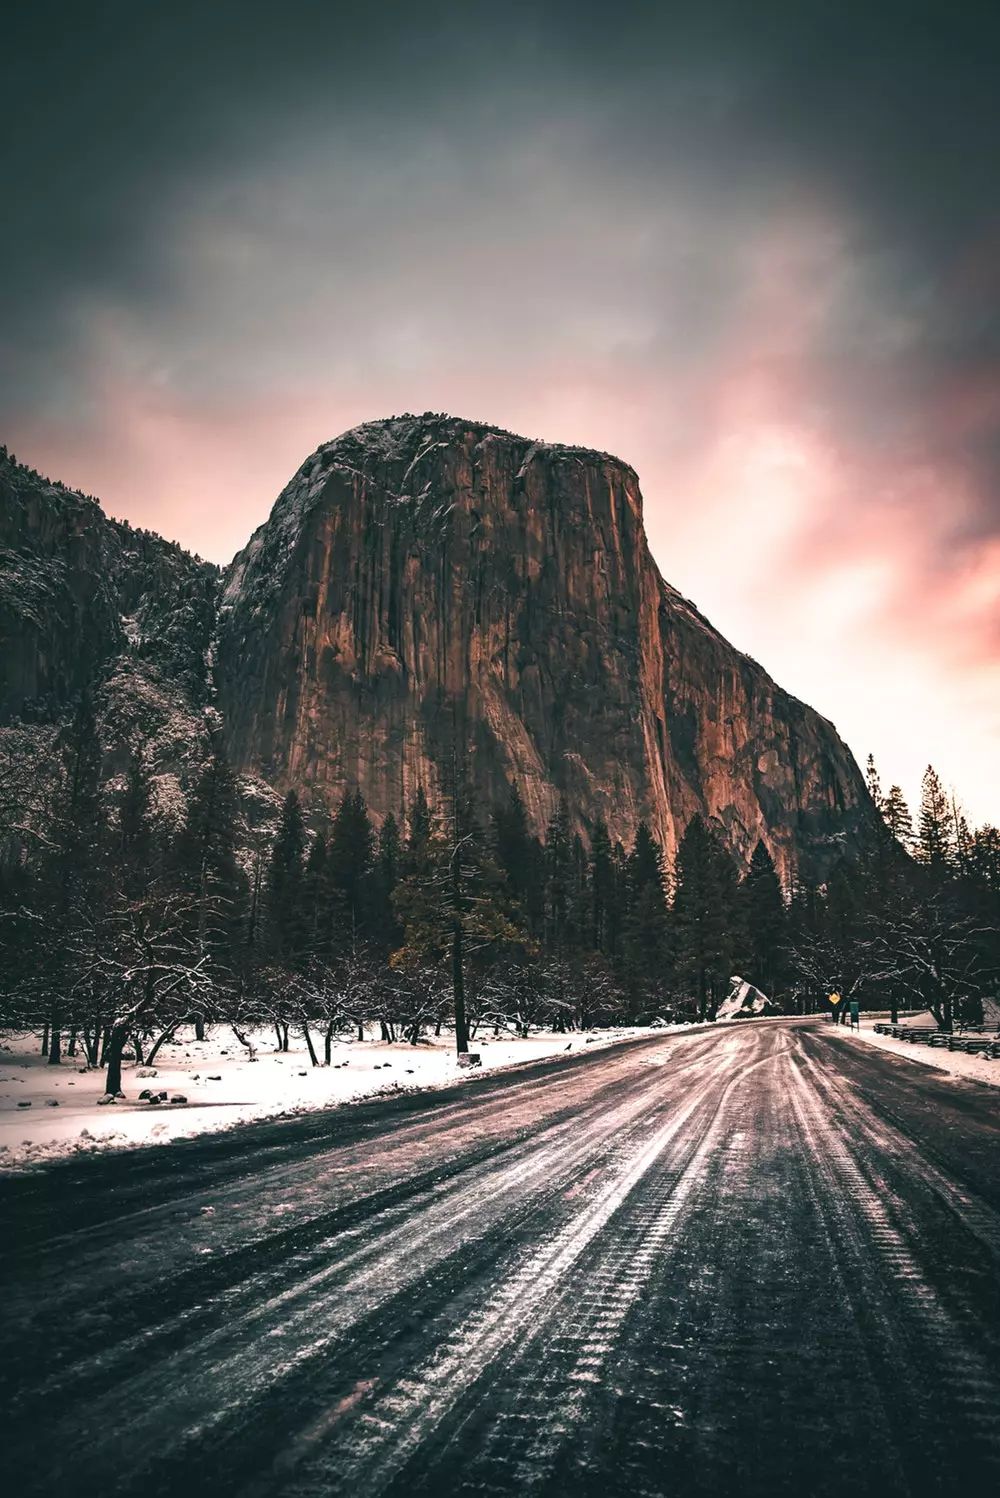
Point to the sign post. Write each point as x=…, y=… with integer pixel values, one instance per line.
x=834, y=1001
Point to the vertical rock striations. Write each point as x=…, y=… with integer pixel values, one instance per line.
x=424, y=572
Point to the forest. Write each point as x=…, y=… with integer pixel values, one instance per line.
x=117, y=927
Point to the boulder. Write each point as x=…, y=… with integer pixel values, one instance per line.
x=743, y=1001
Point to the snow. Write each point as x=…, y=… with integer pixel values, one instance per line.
x=956, y=1063
x=743, y=1001
x=223, y=1088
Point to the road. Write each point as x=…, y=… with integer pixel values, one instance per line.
x=759, y=1260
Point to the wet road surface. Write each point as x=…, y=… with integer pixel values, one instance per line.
x=759, y=1260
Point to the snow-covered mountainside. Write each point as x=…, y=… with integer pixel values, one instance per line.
x=90, y=604
x=78, y=589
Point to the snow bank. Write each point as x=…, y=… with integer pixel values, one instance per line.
x=954, y=1062
x=743, y=1001
x=47, y=1112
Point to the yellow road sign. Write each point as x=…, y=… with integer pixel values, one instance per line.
x=835, y=998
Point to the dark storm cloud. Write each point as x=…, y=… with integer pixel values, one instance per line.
x=753, y=247
x=114, y=110
x=110, y=107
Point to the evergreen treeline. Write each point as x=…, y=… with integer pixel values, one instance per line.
x=116, y=928
x=915, y=921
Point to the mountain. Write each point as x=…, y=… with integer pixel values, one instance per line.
x=88, y=603
x=424, y=581
x=77, y=590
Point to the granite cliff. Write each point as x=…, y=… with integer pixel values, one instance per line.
x=424, y=578
x=79, y=591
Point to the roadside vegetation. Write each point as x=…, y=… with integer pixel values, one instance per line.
x=121, y=921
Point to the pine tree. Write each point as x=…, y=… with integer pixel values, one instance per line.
x=704, y=910
x=897, y=817
x=985, y=858
x=75, y=885
x=208, y=870
x=961, y=834
x=418, y=895
x=316, y=900
x=453, y=902
x=520, y=859
x=420, y=826
x=874, y=784
x=646, y=935
x=559, y=881
x=284, y=905
x=935, y=833
x=348, y=865
x=386, y=934
x=763, y=923
x=604, y=892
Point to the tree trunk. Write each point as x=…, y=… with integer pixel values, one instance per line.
x=199, y=1027
x=328, y=1045
x=55, y=1043
x=166, y=1035
x=137, y=1047
x=113, y=1055
x=44, y=1047
x=244, y=1041
x=309, y=1043
x=458, y=985
x=71, y=1047
x=361, y=1030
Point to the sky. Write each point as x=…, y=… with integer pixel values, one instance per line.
x=752, y=249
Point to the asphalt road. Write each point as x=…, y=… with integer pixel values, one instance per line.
x=761, y=1260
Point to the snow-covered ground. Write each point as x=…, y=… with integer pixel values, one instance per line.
x=954, y=1062
x=222, y=1087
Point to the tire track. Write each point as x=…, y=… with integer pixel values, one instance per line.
x=215, y=1377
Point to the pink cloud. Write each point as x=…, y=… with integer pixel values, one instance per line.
x=842, y=562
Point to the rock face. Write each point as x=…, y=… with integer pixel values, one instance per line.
x=78, y=589
x=58, y=613
x=424, y=580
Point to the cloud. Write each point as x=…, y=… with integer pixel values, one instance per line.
x=748, y=248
